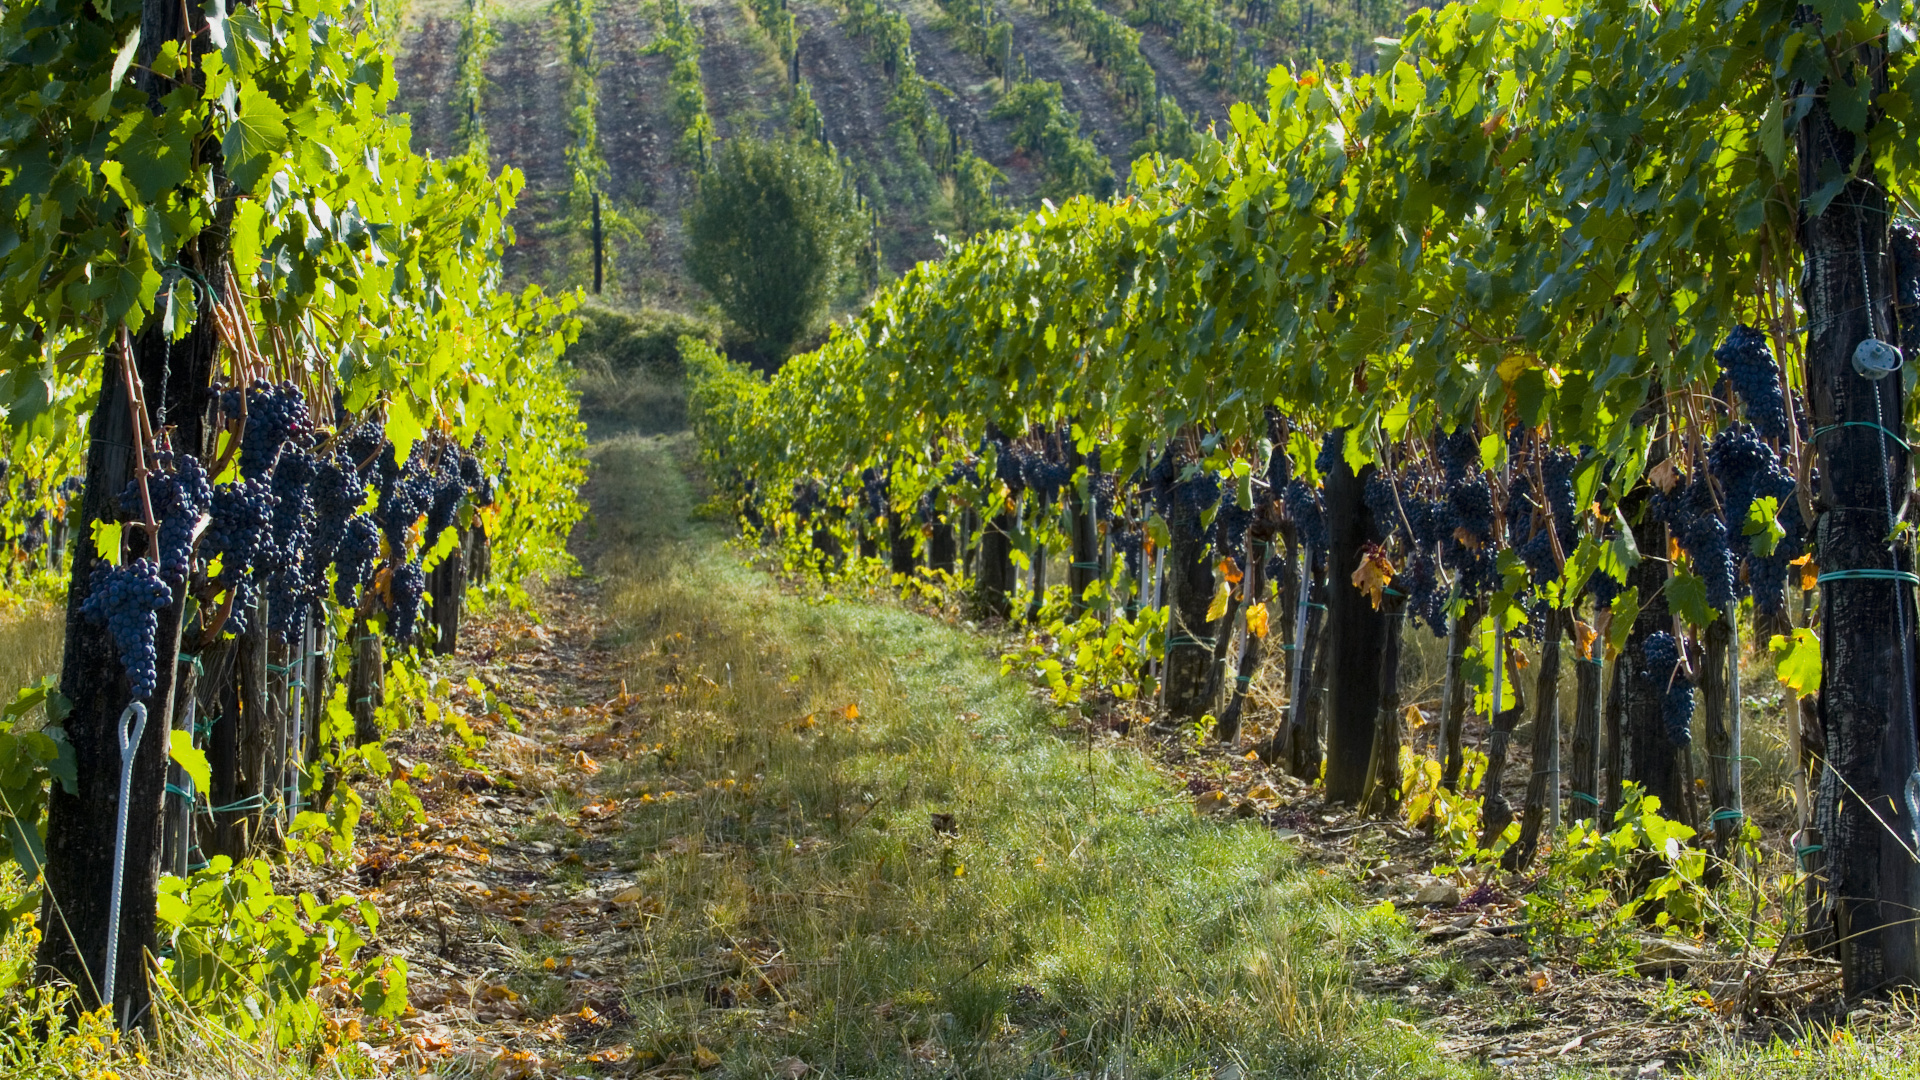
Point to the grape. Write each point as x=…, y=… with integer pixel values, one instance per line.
x=364, y=443
x=1332, y=446
x=1129, y=543
x=1309, y=518
x=275, y=414
x=34, y=536
x=337, y=493
x=1661, y=654
x=479, y=484
x=241, y=530
x=1603, y=587
x=127, y=599
x=1742, y=463
x=1459, y=454
x=180, y=493
x=447, y=491
x=873, y=489
x=1009, y=466
x=1230, y=528
x=1384, y=503
x=409, y=587
x=1748, y=364
x=1767, y=574
x=292, y=508
x=405, y=494
x=289, y=593
x=1426, y=599
x=353, y=563
x=806, y=498
x=1906, y=284
x=1704, y=535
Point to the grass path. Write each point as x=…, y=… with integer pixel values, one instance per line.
x=860, y=849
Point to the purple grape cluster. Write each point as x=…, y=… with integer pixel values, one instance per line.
x=241, y=532
x=873, y=488
x=448, y=488
x=1905, y=241
x=180, y=493
x=1747, y=361
x=276, y=413
x=1308, y=515
x=128, y=600
x=1661, y=656
x=353, y=562
x=409, y=587
x=1332, y=445
x=406, y=493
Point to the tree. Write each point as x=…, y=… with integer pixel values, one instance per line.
x=771, y=235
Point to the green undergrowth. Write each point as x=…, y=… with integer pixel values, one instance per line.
x=898, y=863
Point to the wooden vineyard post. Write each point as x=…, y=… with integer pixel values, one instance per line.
x=1542, y=786
x=1357, y=637
x=1865, y=806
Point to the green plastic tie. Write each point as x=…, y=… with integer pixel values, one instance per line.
x=1902, y=443
x=1591, y=800
x=1086, y=566
x=1809, y=849
x=1726, y=815
x=1869, y=574
x=251, y=802
x=185, y=793
x=1243, y=679
x=1178, y=640
x=194, y=659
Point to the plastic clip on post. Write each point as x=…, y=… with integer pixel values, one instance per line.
x=129, y=749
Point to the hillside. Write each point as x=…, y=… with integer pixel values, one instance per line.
x=748, y=88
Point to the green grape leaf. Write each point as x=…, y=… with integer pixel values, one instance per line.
x=1687, y=595
x=191, y=759
x=255, y=137
x=1626, y=608
x=1796, y=661
x=1763, y=525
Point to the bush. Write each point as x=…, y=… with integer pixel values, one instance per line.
x=771, y=236
x=627, y=342
x=1044, y=127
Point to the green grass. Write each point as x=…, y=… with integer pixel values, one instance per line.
x=1078, y=918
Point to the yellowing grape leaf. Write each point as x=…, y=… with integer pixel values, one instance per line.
x=1218, y=606
x=191, y=759
x=1583, y=636
x=1664, y=475
x=1796, y=661
x=1374, y=575
x=1263, y=791
x=851, y=712
x=1809, y=573
x=1231, y=571
x=1413, y=719
x=1257, y=619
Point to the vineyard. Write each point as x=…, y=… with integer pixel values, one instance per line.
x=1051, y=538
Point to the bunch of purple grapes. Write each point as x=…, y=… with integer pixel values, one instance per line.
x=1308, y=515
x=1747, y=361
x=275, y=415
x=1906, y=285
x=873, y=486
x=448, y=489
x=180, y=493
x=1332, y=446
x=406, y=493
x=128, y=599
x=1661, y=654
x=353, y=562
x=409, y=587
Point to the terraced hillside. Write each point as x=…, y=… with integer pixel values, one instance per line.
x=652, y=161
